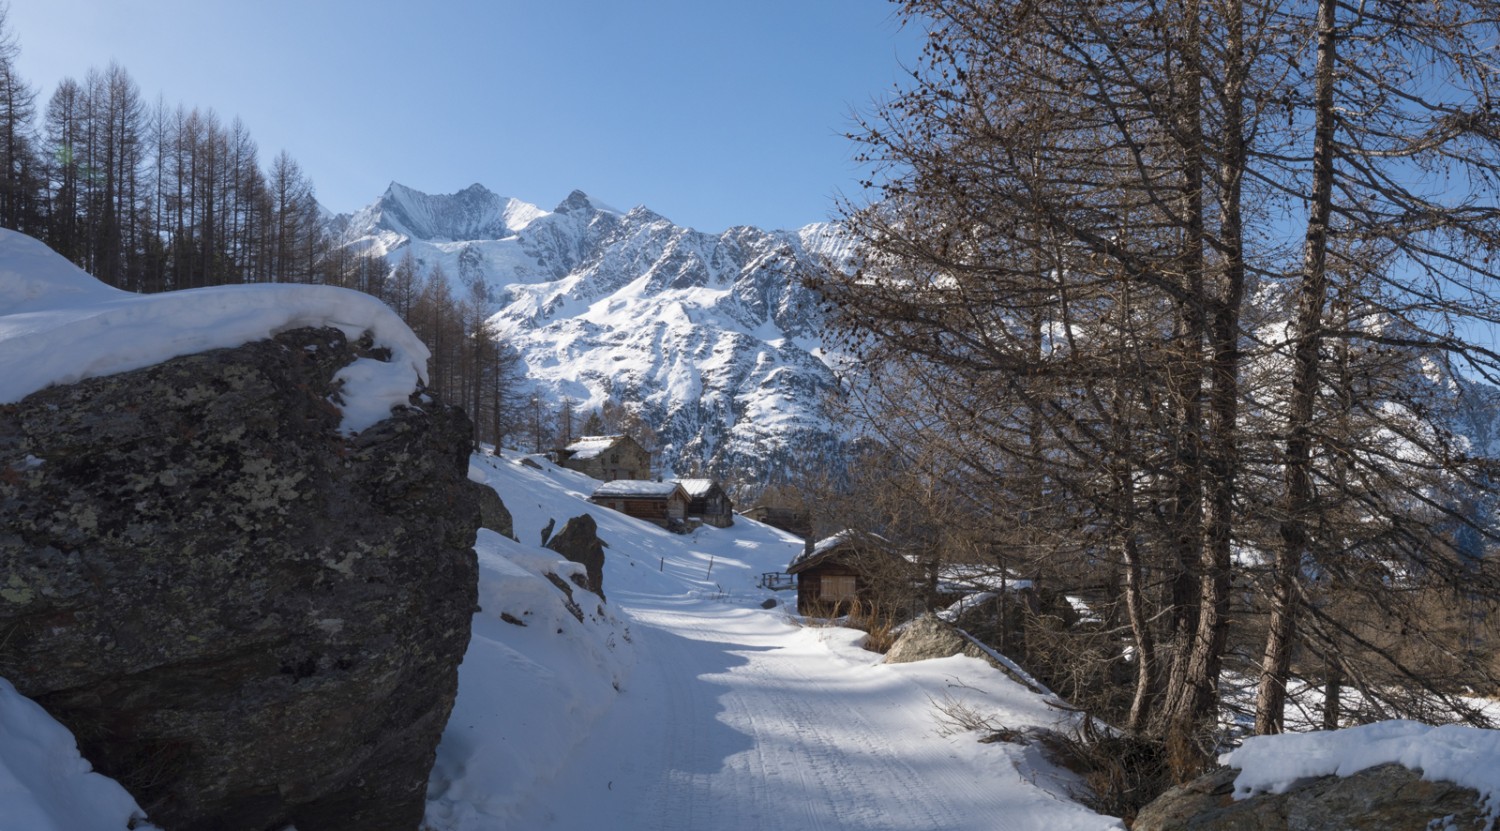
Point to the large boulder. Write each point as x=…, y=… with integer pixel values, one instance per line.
x=579, y=542
x=248, y=618
x=1381, y=798
x=926, y=638
x=493, y=514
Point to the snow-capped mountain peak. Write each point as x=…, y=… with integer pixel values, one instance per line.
x=580, y=201
x=472, y=213
x=714, y=336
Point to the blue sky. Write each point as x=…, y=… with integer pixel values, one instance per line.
x=711, y=113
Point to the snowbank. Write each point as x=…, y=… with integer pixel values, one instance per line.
x=58, y=325
x=1465, y=756
x=531, y=685
x=44, y=784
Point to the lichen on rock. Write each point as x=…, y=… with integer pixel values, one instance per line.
x=248, y=618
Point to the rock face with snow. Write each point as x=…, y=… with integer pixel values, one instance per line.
x=247, y=617
x=1375, y=799
x=713, y=335
x=579, y=542
x=494, y=515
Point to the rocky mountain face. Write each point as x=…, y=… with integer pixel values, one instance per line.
x=713, y=336
x=248, y=619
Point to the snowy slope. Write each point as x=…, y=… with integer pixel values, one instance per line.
x=714, y=334
x=682, y=704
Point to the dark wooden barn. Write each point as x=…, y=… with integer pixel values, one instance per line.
x=708, y=502
x=662, y=503
x=791, y=520
x=837, y=571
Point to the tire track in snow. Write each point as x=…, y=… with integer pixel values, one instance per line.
x=858, y=781
x=735, y=722
x=815, y=762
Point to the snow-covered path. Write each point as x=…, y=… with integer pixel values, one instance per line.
x=738, y=719
x=683, y=705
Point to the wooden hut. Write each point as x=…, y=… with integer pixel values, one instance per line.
x=662, y=503
x=837, y=571
x=607, y=457
x=709, y=502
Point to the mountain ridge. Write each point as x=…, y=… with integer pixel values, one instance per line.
x=713, y=336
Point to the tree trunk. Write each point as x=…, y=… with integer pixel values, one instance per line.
x=1270, y=701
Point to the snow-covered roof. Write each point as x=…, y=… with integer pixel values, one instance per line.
x=822, y=548
x=635, y=488
x=588, y=447
x=696, y=487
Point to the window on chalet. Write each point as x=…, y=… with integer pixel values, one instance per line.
x=836, y=587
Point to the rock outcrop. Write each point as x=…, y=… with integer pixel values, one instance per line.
x=579, y=542
x=493, y=514
x=926, y=638
x=1376, y=799
x=247, y=618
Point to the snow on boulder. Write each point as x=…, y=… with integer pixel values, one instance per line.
x=1391, y=774
x=45, y=785
x=247, y=619
x=58, y=325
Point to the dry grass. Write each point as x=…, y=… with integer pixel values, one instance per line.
x=879, y=628
x=1122, y=773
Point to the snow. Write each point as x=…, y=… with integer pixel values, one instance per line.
x=954, y=578
x=58, y=325
x=732, y=717
x=708, y=334
x=822, y=547
x=1466, y=756
x=696, y=487
x=635, y=487
x=727, y=716
x=44, y=784
x=589, y=447
x=682, y=703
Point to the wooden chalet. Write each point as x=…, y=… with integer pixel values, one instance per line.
x=708, y=502
x=662, y=503
x=607, y=458
x=837, y=571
